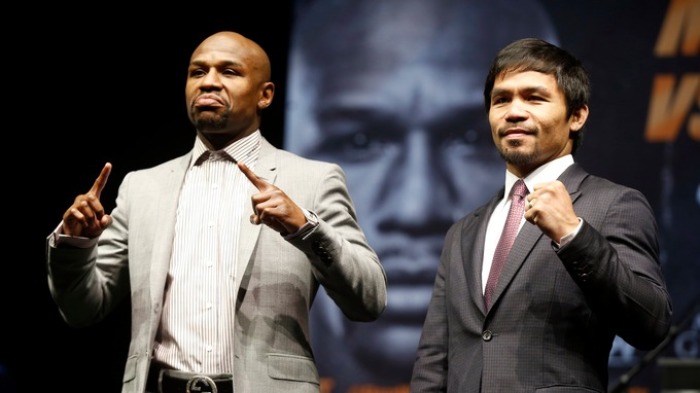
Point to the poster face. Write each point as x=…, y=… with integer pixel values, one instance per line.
x=393, y=92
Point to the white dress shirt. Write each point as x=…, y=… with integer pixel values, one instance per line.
x=545, y=173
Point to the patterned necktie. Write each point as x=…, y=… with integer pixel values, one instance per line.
x=510, y=231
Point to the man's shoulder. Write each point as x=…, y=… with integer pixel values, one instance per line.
x=607, y=192
x=577, y=175
x=600, y=183
x=173, y=165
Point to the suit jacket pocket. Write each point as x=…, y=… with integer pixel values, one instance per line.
x=566, y=389
x=130, y=368
x=292, y=368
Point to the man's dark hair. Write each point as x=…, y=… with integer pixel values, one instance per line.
x=532, y=54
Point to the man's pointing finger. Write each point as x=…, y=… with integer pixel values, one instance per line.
x=258, y=182
x=101, y=180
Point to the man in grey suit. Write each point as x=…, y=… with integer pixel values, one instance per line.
x=583, y=268
x=221, y=251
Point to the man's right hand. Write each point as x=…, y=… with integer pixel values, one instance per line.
x=86, y=216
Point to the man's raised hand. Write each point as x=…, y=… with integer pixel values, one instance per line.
x=86, y=216
x=272, y=207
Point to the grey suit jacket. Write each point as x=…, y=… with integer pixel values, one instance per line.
x=276, y=290
x=555, y=312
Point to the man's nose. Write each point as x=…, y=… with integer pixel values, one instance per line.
x=418, y=197
x=211, y=79
x=517, y=110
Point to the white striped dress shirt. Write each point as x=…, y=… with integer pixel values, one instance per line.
x=197, y=326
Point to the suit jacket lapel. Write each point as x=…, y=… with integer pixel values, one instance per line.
x=572, y=178
x=265, y=168
x=164, y=218
x=473, y=252
x=528, y=236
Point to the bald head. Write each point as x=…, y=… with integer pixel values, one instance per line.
x=246, y=49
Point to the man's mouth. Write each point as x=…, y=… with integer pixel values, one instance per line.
x=208, y=101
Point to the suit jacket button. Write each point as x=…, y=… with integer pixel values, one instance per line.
x=487, y=335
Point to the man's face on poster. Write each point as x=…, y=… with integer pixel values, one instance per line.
x=399, y=106
x=417, y=151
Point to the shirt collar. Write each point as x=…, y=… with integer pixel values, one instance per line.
x=545, y=173
x=245, y=150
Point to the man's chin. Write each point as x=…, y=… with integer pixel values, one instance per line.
x=210, y=122
x=211, y=128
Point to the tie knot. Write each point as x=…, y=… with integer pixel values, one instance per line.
x=519, y=189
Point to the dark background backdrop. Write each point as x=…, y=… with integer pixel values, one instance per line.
x=88, y=86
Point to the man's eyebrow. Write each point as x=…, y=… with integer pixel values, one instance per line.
x=498, y=91
x=527, y=89
x=220, y=63
x=536, y=89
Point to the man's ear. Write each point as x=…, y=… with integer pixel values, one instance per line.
x=578, y=118
x=267, y=92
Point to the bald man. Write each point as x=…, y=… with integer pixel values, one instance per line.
x=221, y=251
x=392, y=91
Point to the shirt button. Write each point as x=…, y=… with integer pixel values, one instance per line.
x=487, y=335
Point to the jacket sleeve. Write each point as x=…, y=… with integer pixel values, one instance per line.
x=88, y=283
x=341, y=257
x=615, y=261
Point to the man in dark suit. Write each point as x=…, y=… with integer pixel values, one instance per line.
x=222, y=250
x=583, y=268
x=398, y=106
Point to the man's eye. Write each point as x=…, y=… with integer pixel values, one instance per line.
x=465, y=137
x=463, y=143
x=356, y=146
x=361, y=146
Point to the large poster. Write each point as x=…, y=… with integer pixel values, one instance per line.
x=392, y=91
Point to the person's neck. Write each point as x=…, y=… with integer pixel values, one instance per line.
x=219, y=141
